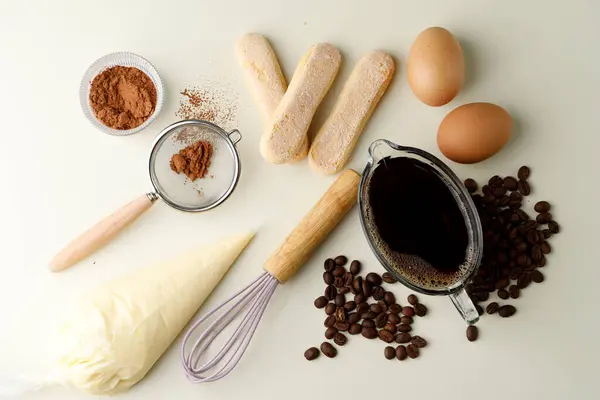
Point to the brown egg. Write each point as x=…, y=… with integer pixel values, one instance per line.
x=474, y=132
x=435, y=67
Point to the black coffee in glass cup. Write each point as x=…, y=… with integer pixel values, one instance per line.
x=421, y=223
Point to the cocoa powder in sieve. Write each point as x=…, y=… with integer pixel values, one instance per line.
x=193, y=160
x=122, y=97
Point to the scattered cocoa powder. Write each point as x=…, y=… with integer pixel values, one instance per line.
x=212, y=103
x=122, y=97
x=193, y=160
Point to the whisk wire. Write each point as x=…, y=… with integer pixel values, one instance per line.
x=255, y=298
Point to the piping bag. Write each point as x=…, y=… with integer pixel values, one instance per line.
x=116, y=333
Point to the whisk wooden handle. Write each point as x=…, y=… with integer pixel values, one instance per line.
x=101, y=233
x=314, y=227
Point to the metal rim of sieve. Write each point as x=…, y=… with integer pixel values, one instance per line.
x=227, y=138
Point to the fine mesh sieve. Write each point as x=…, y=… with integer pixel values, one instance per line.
x=175, y=189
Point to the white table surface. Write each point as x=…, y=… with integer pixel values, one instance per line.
x=536, y=58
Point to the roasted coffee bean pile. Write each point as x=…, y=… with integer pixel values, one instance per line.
x=346, y=304
x=515, y=245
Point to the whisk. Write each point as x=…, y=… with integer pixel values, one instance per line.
x=249, y=304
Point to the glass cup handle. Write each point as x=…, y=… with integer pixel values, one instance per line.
x=465, y=306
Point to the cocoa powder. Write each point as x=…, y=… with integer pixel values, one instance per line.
x=122, y=97
x=193, y=160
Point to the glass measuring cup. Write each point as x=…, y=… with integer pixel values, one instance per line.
x=378, y=151
x=174, y=189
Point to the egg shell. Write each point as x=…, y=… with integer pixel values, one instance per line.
x=474, y=132
x=435, y=67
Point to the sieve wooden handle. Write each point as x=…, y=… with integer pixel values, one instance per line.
x=314, y=227
x=101, y=233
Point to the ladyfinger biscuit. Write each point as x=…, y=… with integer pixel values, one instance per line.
x=361, y=93
x=285, y=139
x=262, y=71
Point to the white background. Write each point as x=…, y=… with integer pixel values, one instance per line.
x=538, y=59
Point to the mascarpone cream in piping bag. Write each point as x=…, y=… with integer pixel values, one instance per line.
x=117, y=332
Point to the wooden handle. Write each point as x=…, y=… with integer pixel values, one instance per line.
x=100, y=234
x=314, y=227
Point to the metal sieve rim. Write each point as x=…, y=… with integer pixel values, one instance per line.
x=226, y=136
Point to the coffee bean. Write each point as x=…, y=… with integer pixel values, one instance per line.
x=503, y=294
x=401, y=353
x=373, y=278
x=537, y=276
x=368, y=323
x=389, y=298
x=340, y=300
x=369, y=333
x=329, y=332
x=388, y=278
x=342, y=326
x=393, y=319
x=532, y=237
x=472, y=333
x=355, y=267
x=395, y=308
x=381, y=320
x=546, y=249
x=320, y=302
x=369, y=315
x=375, y=308
x=408, y=311
x=378, y=292
x=541, y=263
x=481, y=295
x=514, y=204
x=349, y=305
x=470, y=185
x=514, y=292
x=479, y=309
x=340, y=339
x=510, y=183
x=328, y=350
x=405, y=320
x=403, y=337
x=360, y=298
x=412, y=351
x=344, y=290
x=339, y=271
x=544, y=218
x=553, y=226
x=506, y=311
x=524, y=188
x=502, y=283
x=329, y=265
x=499, y=192
x=330, y=321
x=492, y=308
x=546, y=232
x=340, y=260
x=348, y=279
x=389, y=353
x=357, y=284
x=340, y=314
x=330, y=308
x=486, y=190
x=330, y=292
x=367, y=289
x=495, y=181
x=504, y=201
x=523, y=172
x=515, y=272
x=536, y=253
x=383, y=305
x=418, y=341
x=524, y=280
x=542, y=207
x=470, y=288
x=386, y=336
x=328, y=278
x=390, y=327
x=355, y=329
x=312, y=353
x=338, y=282
x=420, y=309
x=353, y=318
x=362, y=308
x=412, y=299
x=516, y=196
x=404, y=328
